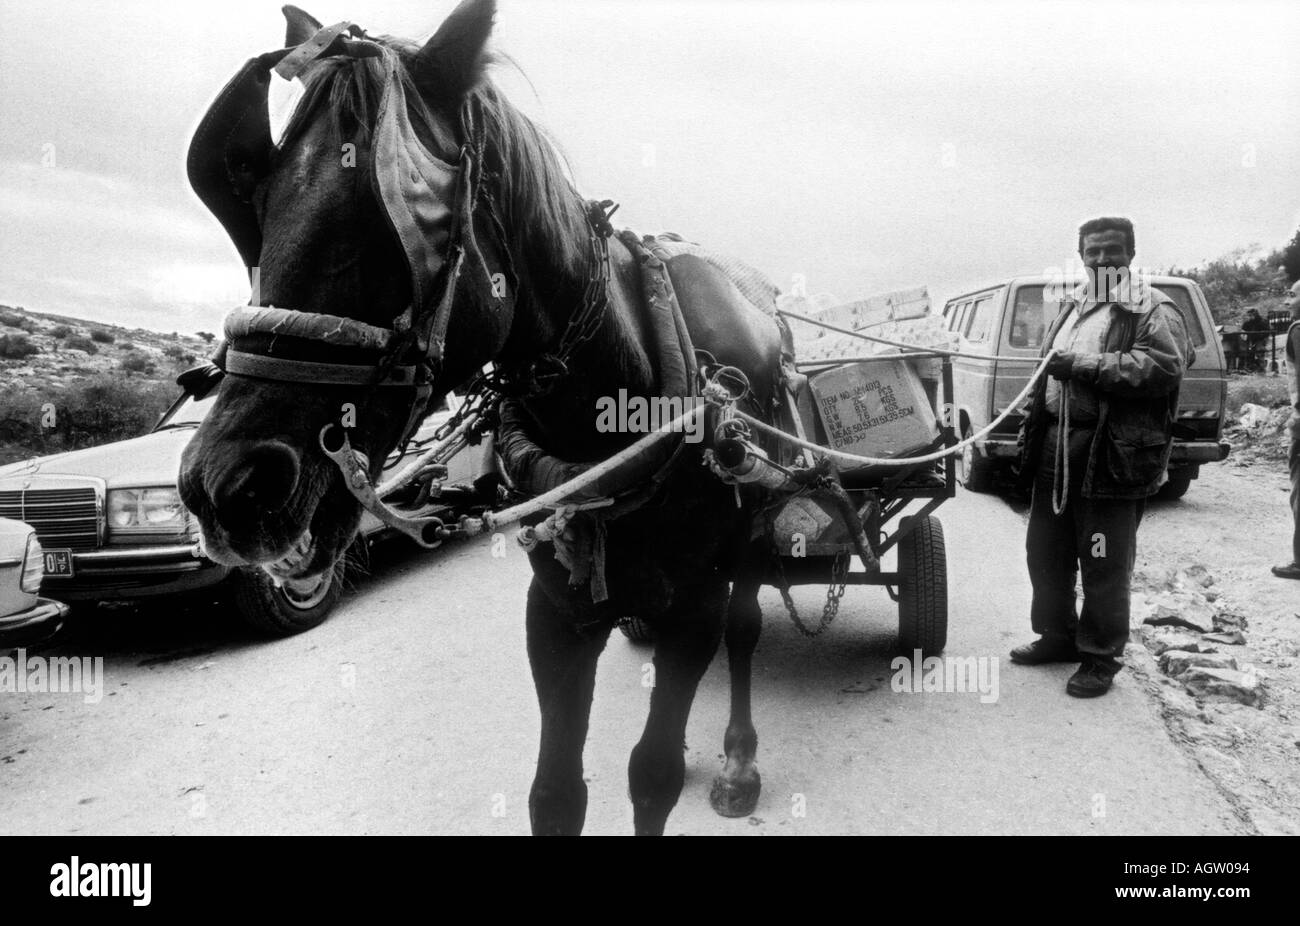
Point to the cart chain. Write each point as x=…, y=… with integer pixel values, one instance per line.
x=834, y=592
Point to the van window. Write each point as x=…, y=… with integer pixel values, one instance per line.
x=1183, y=299
x=1031, y=317
x=957, y=318
x=977, y=329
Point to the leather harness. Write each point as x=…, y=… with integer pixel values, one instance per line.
x=428, y=203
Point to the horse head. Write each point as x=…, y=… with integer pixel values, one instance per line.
x=357, y=176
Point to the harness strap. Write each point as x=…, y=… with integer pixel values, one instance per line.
x=284, y=369
x=335, y=330
x=291, y=65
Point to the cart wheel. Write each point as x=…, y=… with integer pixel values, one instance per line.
x=637, y=630
x=923, y=588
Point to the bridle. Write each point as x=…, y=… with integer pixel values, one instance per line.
x=414, y=186
x=408, y=355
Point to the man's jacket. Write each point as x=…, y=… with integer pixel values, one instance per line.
x=1136, y=377
x=1292, y=351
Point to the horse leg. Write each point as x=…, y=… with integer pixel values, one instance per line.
x=685, y=641
x=564, y=672
x=735, y=790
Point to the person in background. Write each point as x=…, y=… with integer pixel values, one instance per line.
x=1256, y=331
x=1094, y=445
x=1292, y=569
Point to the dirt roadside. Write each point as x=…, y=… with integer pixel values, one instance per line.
x=1205, y=560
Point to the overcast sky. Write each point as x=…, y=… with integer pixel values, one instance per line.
x=867, y=146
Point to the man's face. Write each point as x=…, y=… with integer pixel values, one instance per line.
x=1293, y=300
x=1106, y=255
x=1107, y=249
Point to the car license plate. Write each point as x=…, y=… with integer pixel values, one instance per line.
x=58, y=563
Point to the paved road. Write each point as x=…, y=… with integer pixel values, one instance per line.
x=412, y=711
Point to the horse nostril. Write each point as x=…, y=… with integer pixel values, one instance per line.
x=261, y=481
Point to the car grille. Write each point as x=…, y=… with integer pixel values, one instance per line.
x=64, y=519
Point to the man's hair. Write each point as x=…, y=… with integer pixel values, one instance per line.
x=1108, y=223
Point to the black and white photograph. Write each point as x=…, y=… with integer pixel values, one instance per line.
x=713, y=418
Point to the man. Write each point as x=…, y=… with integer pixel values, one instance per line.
x=1292, y=569
x=1256, y=331
x=1093, y=447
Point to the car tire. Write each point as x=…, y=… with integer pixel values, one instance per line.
x=637, y=630
x=280, y=611
x=1176, y=487
x=974, y=471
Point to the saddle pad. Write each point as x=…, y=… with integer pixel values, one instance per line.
x=753, y=284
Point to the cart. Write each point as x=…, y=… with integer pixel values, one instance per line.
x=896, y=510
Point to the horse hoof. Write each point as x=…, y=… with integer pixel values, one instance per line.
x=735, y=797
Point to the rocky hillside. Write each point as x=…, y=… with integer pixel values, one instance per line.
x=68, y=382
x=38, y=350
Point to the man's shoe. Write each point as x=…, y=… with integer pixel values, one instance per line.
x=1044, y=650
x=1091, y=681
x=1289, y=571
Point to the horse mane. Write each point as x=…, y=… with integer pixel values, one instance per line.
x=540, y=209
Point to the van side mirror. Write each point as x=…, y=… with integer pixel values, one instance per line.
x=199, y=381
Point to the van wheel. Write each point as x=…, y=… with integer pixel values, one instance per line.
x=285, y=610
x=1176, y=487
x=974, y=471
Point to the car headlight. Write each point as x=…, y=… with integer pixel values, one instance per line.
x=33, y=566
x=139, y=514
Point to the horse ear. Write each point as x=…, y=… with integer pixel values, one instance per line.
x=451, y=63
x=302, y=26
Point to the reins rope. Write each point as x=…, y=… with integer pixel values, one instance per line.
x=908, y=348
x=846, y=457
x=1061, y=456
x=553, y=498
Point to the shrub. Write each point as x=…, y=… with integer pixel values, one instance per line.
x=1268, y=391
x=1234, y=282
x=127, y=346
x=77, y=342
x=176, y=352
x=20, y=417
x=60, y=331
x=14, y=320
x=100, y=336
x=106, y=408
x=17, y=346
x=1290, y=259
x=96, y=410
x=207, y=336
x=136, y=362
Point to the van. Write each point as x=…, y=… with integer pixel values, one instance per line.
x=1006, y=324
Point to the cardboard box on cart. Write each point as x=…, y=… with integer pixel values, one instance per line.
x=880, y=408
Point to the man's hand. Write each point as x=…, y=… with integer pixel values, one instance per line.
x=1060, y=366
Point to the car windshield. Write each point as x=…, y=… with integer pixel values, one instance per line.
x=189, y=411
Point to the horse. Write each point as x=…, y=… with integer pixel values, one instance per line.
x=419, y=226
